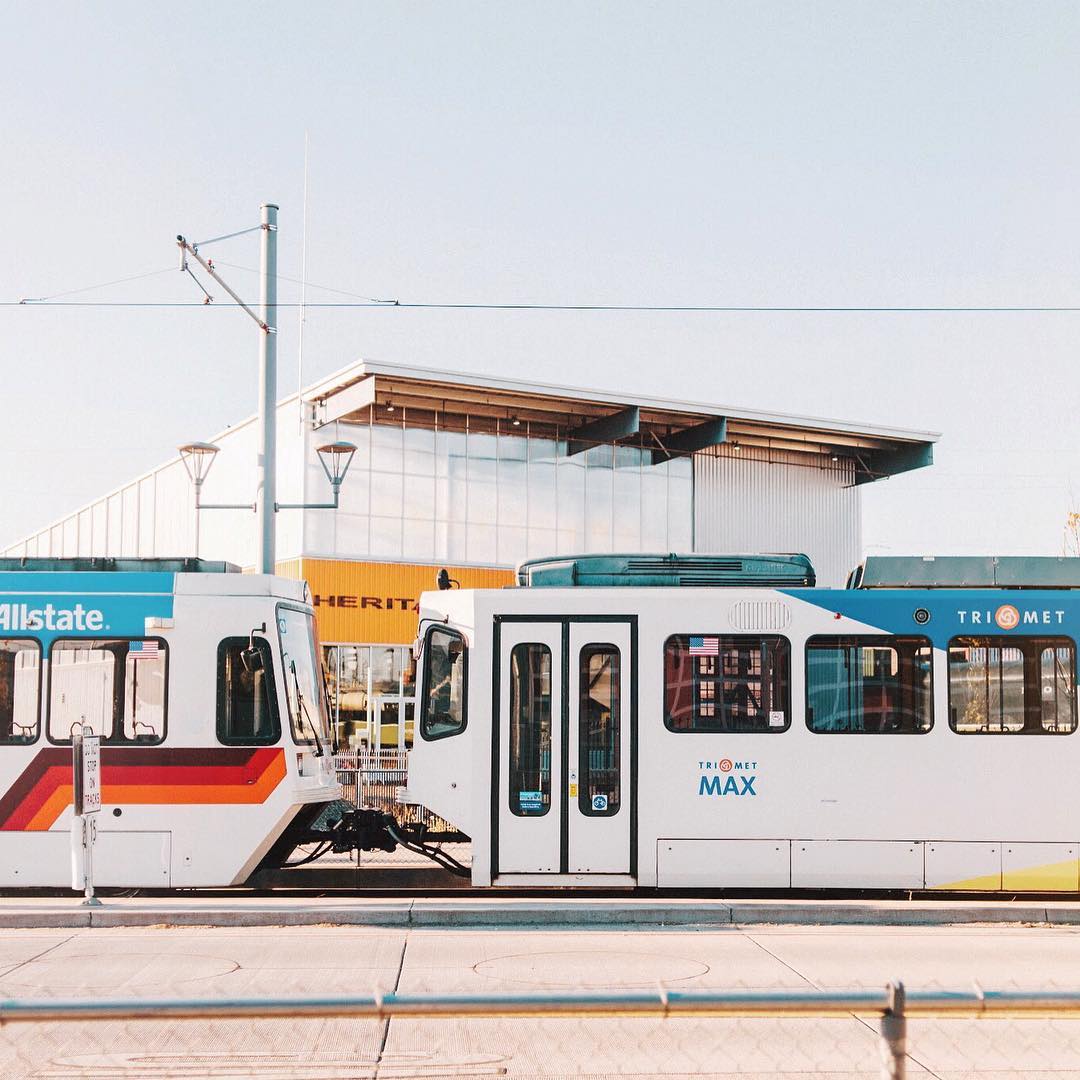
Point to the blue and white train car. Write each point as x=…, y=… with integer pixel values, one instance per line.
x=719, y=722
x=206, y=689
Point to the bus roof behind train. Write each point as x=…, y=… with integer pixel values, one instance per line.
x=108, y=564
x=766, y=571
x=966, y=572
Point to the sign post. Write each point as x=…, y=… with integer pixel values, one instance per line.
x=86, y=777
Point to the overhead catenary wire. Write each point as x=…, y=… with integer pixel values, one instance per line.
x=90, y=288
x=656, y=308
x=304, y=283
x=360, y=300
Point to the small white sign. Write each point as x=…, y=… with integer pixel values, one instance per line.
x=776, y=719
x=91, y=774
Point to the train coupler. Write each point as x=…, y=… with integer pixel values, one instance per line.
x=364, y=829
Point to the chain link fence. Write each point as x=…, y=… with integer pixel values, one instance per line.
x=374, y=777
x=824, y=1034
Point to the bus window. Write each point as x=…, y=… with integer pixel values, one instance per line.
x=247, y=713
x=114, y=687
x=717, y=683
x=1017, y=685
x=530, y=730
x=20, y=691
x=442, y=710
x=869, y=685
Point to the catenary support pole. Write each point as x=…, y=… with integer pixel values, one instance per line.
x=266, y=493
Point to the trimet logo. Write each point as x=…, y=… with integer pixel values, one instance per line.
x=21, y=617
x=1008, y=617
x=722, y=782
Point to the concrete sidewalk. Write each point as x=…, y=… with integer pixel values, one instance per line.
x=495, y=911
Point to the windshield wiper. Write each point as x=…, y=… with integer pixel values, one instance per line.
x=304, y=710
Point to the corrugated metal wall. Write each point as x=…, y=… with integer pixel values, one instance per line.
x=763, y=500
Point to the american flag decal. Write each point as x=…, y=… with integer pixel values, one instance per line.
x=704, y=646
x=143, y=650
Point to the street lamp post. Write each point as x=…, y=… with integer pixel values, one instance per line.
x=335, y=459
x=197, y=458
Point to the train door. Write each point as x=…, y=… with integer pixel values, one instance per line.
x=563, y=802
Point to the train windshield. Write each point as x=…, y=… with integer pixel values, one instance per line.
x=304, y=687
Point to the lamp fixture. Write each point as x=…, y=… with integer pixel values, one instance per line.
x=197, y=458
x=515, y=422
x=335, y=458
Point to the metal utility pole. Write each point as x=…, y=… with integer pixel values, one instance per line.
x=266, y=491
x=197, y=457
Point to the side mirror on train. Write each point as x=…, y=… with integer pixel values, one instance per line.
x=444, y=581
x=252, y=657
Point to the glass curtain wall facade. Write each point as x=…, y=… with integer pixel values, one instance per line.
x=491, y=498
x=490, y=495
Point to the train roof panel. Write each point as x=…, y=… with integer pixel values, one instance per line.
x=967, y=572
x=667, y=570
x=108, y=564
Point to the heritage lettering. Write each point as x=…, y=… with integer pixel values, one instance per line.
x=365, y=603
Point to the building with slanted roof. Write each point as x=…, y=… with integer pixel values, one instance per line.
x=476, y=474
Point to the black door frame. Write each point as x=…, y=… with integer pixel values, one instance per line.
x=565, y=622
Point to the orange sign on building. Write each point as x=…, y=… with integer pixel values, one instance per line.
x=375, y=603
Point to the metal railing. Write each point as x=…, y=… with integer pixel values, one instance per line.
x=891, y=1006
x=373, y=778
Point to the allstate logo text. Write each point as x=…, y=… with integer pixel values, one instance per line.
x=21, y=617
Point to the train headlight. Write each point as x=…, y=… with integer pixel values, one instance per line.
x=921, y=616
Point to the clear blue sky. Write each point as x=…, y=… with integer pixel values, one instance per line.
x=683, y=153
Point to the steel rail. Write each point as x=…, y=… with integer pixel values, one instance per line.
x=940, y=1004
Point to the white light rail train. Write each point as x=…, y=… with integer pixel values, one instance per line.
x=718, y=722
x=206, y=689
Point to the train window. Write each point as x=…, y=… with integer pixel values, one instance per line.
x=1002, y=685
x=869, y=685
x=20, y=691
x=114, y=687
x=305, y=686
x=530, y=730
x=247, y=711
x=442, y=711
x=716, y=683
x=598, y=731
